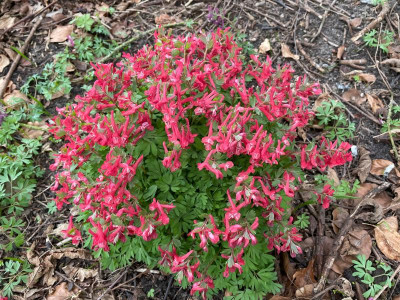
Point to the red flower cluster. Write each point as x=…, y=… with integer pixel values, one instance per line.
x=188, y=77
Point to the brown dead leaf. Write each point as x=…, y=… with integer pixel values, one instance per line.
x=356, y=242
x=321, y=99
x=287, y=53
x=305, y=276
x=164, y=19
x=339, y=216
x=394, y=51
x=61, y=33
x=354, y=96
x=366, y=77
x=364, y=164
x=383, y=199
x=396, y=297
x=79, y=273
x=11, y=54
x=264, y=47
x=32, y=133
x=388, y=239
x=6, y=22
x=355, y=22
x=376, y=104
x=340, y=52
x=4, y=62
x=119, y=30
x=332, y=175
x=279, y=297
x=379, y=166
x=15, y=99
x=61, y=292
x=305, y=291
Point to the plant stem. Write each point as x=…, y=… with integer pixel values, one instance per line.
x=388, y=122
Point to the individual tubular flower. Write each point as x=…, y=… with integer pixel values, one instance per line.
x=206, y=231
x=72, y=232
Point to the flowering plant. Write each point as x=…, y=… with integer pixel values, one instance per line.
x=184, y=156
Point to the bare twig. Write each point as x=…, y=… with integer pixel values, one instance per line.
x=114, y=283
x=379, y=18
x=31, y=16
x=353, y=61
x=337, y=243
x=325, y=15
x=268, y=17
x=70, y=280
x=389, y=130
x=18, y=58
x=313, y=63
x=386, y=285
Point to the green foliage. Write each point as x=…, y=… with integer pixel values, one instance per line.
x=54, y=78
x=13, y=272
x=394, y=122
x=383, y=41
x=365, y=270
x=150, y=294
x=378, y=2
x=344, y=190
x=302, y=221
x=331, y=116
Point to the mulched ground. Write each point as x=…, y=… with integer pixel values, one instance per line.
x=316, y=30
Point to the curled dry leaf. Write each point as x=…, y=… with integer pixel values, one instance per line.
x=345, y=287
x=394, y=63
x=355, y=22
x=354, y=96
x=164, y=19
x=388, y=239
x=364, y=164
x=264, y=47
x=339, y=216
x=373, y=211
x=321, y=99
x=4, y=62
x=376, y=104
x=31, y=133
x=332, y=175
x=61, y=33
x=11, y=53
x=380, y=166
x=15, y=99
x=6, y=22
x=61, y=292
x=366, y=77
x=79, y=273
x=383, y=199
x=305, y=276
x=119, y=30
x=287, y=53
x=356, y=242
x=340, y=52
x=305, y=291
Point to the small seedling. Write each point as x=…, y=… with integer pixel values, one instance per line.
x=383, y=41
x=302, y=221
x=330, y=115
x=364, y=271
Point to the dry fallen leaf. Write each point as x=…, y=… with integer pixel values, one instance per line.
x=370, y=78
x=32, y=133
x=321, y=99
x=164, y=19
x=305, y=291
x=340, y=52
x=376, y=104
x=264, y=47
x=6, y=22
x=287, y=53
x=4, y=62
x=305, y=276
x=356, y=242
x=355, y=22
x=383, y=199
x=61, y=33
x=339, y=216
x=332, y=175
x=380, y=166
x=364, y=164
x=15, y=99
x=61, y=292
x=388, y=239
x=394, y=63
x=354, y=96
x=119, y=30
x=11, y=53
x=80, y=273
x=278, y=297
